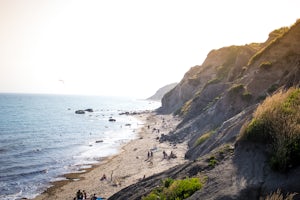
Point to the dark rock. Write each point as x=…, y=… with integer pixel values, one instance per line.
x=79, y=112
x=89, y=110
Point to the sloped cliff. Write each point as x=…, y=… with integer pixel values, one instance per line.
x=231, y=81
x=214, y=101
x=159, y=94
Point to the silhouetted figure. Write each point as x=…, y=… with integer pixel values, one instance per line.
x=94, y=197
x=103, y=177
x=84, y=194
x=165, y=155
x=79, y=195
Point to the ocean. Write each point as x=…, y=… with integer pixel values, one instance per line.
x=41, y=137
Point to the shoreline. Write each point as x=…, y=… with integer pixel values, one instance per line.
x=128, y=166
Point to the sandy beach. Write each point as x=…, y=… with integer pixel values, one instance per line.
x=130, y=165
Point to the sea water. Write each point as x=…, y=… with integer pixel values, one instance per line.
x=41, y=137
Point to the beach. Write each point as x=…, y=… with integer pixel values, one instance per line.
x=133, y=162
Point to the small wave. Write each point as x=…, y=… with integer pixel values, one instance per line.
x=22, y=171
x=13, y=196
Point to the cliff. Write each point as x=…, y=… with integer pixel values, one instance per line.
x=215, y=100
x=161, y=92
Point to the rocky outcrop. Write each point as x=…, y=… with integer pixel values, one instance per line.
x=161, y=92
x=214, y=100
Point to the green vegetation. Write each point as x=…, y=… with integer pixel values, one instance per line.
x=265, y=65
x=236, y=88
x=204, y=137
x=276, y=122
x=212, y=81
x=212, y=161
x=239, y=89
x=276, y=35
x=186, y=107
x=175, y=189
x=246, y=96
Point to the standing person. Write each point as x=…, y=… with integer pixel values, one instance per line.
x=84, y=194
x=94, y=197
x=79, y=195
x=165, y=154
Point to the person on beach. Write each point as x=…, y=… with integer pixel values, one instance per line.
x=94, y=197
x=103, y=177
x=84, y=194
x=165, y=155
x=79, y=195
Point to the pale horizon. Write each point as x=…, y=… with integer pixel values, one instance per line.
x=122, y=48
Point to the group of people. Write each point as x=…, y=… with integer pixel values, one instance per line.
x=150, y=154
x=81, y=195
x=172, y=155
x=165, y=155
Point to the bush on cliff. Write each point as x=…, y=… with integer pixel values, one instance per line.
x=276, y=123
x=175, y=189
x=204, y=137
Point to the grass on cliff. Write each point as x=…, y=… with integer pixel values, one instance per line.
x=276, y=35
x=276, y=123
x=175, y=189
x=204, y=137
x=279, y=196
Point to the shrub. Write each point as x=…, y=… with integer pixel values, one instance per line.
x=212, y=81
x=279, y=196
x=212, y=161
x=236, y=88
x=175, y=189
x=277, y=35
x=246, y=96
x=265, y=65
x=185, y=108
x=203, y=137
x=277, y=122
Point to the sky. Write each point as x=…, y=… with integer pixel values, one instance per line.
x=123, y=48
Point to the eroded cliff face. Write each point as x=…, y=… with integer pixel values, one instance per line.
x=221, y=66
x=230, y=81
x=215, y=100
x=161, y=92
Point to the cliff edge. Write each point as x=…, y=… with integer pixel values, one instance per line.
x=216, y=100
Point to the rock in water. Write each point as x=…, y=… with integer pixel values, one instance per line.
x=79, y=112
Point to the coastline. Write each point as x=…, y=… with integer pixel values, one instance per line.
x=128, y=166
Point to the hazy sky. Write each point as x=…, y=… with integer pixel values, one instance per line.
x=123, y=47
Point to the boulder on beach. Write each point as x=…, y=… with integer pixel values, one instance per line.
x=89, y=110
x=79, y=112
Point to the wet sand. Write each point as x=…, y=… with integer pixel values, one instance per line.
x=127, y=167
